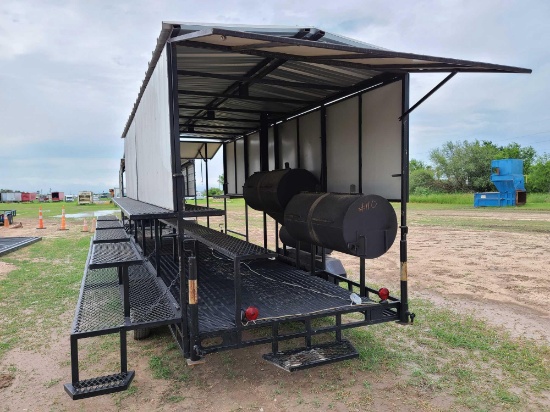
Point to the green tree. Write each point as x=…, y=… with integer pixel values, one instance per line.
x=214, y=191
x=465, y=165
x=538, y=180
x=515, y=151
x=220, y=181
x=415, y=164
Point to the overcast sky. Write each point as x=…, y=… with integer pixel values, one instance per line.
x=70, y=72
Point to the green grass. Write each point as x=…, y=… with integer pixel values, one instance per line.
x=50, y=209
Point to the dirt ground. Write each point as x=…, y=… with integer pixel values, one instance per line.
x=498, y=276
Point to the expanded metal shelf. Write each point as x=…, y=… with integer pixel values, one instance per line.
x=105, y=255
x=137, y=210
x=111, y=236
x=229, y=246
x=100, y=307
x=107, y=217
x=108, y=224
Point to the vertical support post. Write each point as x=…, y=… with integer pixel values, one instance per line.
x=135, y=231
x=193, y=308
x=308, y=333
x=298, y=152
x=312, y=258
x=225, y=187
x=362, y=287
x=238, y=297
x=178, y=186
x=246, y=221
x=123, y=351
x=264, y=142
x=207, y=187
x=158, y=246
x=265, y=230
x=275, y=337
x=339, y=327
x=324, y=167
x=276, y=237
x=360, y=145
x=126, y=291
x=404, y=315
x=74, y=359
x=143, y=241
x=297, y=254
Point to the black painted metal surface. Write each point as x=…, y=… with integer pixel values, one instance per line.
x=361, y=225
x=136, y=210
x=111, y=236
x=108, y=224
x=10, y=244
x=107, y=217
x=270, y=192
x=106, y=255
x=101, y=385
x=316, y=355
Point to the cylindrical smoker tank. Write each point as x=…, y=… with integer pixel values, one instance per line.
x=271, y=191
x=361, y=225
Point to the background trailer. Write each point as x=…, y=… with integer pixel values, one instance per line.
x=314, y=133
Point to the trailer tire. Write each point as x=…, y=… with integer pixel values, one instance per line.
x=140, y=334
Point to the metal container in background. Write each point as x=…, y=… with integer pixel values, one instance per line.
x=360, y=225
x=271, y=191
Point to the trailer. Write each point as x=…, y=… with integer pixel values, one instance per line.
x=58, y=196
x=85, y=198
x=28, y=196
x=313, y=130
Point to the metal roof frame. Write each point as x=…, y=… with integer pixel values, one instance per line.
x=232, y=75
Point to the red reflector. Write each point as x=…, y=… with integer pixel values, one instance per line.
x=384, y=293
x=251, y=313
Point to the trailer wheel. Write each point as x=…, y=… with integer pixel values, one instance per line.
x=140, y=334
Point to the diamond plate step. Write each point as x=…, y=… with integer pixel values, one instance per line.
x=303, y=358
x=99, y=386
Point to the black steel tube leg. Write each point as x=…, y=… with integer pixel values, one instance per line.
x=276, y=236
x=265, y=230
x=135, y=231
x=246, y=220
x=74, y=359
x=339, y=327
x=193, y=308
x=158, y=246
x=183, y=288
x=275, y=337
x=297, y=254
x=123, y=352
x=362, y=287
x=225, y=214
x=126, y=291
x=312, y=258
x=308, y=333
x=404, y=314
x=143, y=231
x=238, y=296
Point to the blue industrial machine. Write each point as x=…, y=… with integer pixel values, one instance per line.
x=507, y=176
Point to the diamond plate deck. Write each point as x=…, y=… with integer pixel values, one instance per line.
x=101, y=385
x=107, y=217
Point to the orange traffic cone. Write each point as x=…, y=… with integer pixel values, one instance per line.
x=93, y=225
x=63, y=222
x=40, y=220
x=85, y=227
x=6, y=221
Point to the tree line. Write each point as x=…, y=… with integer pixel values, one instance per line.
x=466, y=167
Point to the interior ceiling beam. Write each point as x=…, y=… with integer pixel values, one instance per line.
x=203, y=126
x=251, y=98
x=220, y=119
x=228, y=109
x=259, y=71
x=251, y=80
x=199, y=134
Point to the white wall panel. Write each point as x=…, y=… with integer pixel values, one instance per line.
x=343, y=145
x=287, y=144
x=253, y=153
x=153, y=149
x=240, y=166
x=382, y=141
x=310, y=143
x=130, y=176
x=230, y=158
